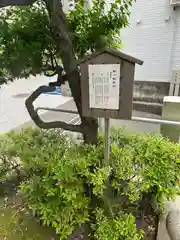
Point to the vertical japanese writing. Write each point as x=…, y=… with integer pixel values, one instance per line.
x=104, y=85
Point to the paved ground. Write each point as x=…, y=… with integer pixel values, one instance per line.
x=12, y=98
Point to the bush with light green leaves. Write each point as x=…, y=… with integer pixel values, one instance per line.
x=68, y=186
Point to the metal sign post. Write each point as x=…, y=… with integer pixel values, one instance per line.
x=104, y=88
x=100, y=122
x=107, y=142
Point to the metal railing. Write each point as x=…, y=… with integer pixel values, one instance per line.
x=135, y=119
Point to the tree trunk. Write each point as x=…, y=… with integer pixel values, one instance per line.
x=65, y=52
x=90, y=135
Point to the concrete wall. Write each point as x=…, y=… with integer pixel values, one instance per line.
x=150, y=91
x=153, y=36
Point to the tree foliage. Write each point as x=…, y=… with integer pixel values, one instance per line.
x=25, y=39
x=27, y=42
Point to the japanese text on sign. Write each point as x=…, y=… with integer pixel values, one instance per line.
x=104, y=85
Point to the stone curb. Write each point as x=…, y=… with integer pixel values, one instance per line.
x=174, y=223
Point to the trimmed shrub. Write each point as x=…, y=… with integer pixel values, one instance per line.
x=9, y=164
x=68, y=186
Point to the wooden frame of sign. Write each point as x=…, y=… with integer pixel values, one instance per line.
x=107, y=79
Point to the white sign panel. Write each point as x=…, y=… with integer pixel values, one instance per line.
x=104, y=85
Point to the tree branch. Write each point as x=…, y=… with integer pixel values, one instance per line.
x=64, y=48
x=38, y=121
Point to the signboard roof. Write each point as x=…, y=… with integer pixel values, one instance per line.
x=114, y=52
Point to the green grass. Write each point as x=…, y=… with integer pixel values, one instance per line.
x=16, y=224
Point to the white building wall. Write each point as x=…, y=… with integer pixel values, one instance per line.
x=67, y=5
x=153, y=36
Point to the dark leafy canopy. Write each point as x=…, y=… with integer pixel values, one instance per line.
x=5, y=3
x=25, y=41
x=27, y=45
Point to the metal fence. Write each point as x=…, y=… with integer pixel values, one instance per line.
x=135, y=119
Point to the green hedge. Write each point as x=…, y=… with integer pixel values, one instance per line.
x=68, y=187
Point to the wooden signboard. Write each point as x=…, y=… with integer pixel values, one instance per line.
x=107, y=79
x=107, y=84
